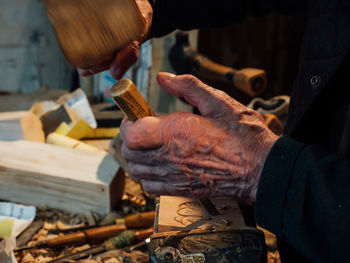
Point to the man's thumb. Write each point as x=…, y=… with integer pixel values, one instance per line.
x=208, y=100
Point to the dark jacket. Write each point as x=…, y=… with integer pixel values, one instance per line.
x=304, y=191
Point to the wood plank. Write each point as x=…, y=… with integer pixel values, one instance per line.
x=179, y=213
x=68, y=179
x=20, y=125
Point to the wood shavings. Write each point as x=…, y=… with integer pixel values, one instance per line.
x=113, y=260
x=110, y=218
x=43, y=259
x=49, y=226
x=55, y=219
x=63, y=226
x=28, y=258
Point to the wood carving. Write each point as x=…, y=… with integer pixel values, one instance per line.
x=179, y=213
x=90, y=30
x=63, y=178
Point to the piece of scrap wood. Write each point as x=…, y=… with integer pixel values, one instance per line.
x=24, y=238
x=20, y=125
x=63, y=178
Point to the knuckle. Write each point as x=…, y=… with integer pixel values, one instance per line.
x=190, y=80
x=222, y=96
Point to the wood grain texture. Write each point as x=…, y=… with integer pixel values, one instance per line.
x=68, y=179
x=90, y=30
x=20, y=125
x=130, y=100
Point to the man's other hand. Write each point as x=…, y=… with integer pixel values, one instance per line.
x=119, y=62
x=220, y=153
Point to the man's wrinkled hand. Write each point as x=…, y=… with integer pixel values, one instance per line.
x=119, y=62
x=220, y=153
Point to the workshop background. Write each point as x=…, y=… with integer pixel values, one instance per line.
x=35, y=79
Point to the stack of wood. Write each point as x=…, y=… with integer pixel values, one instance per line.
x=36, y=170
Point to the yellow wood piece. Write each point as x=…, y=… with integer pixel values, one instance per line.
x=103, y=133
x=63, y=128
x=65, y=141
x=80, y=130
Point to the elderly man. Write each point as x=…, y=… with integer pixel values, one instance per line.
x=300, y=182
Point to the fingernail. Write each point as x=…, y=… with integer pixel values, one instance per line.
x=166, y=74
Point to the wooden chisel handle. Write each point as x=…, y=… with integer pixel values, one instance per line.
x=145, y=219
x=130, y=101
x=91, y=236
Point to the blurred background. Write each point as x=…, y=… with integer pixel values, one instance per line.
x=31, y=62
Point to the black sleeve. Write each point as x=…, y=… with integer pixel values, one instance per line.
x=169, y=15
x=304, y=198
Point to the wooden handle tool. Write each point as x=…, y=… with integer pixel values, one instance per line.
x=90, y=236
x=130, y=101
x=141, y=220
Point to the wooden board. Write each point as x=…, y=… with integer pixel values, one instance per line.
x=20, y=125
x=68, y=179
x=179, y=213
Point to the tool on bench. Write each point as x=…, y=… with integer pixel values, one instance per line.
x=185, y=60
x=124, y=239
x=130, y=101
x=141, y=220
x=91, y=236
